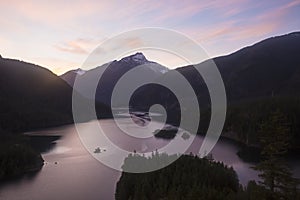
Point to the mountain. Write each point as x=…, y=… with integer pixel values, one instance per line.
x=253, y=76
x=70, y=76
x=268, y=68
x=111, y=72
x=32, y=97
x=140, y=59
x=258, y=80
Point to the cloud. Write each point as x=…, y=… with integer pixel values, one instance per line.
x=254, y=31
x=234, y=32
x=266, y=22
x=76, y=27
x=71, y=47
x=185, y=9
x=133, y=42
x=253, y=27
x=54, y=11
x=278, y=12
x=120, y=43
x=79, y=45
x=211, y=33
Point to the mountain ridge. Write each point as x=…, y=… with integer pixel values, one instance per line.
x=33, y=97
x=110, y=74
x=263, y=77
x=266, y=70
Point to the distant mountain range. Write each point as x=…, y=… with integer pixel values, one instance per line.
x=262, y=77
x=111, y=72
x=268, y=68
x=265, y=69
x=257, y=79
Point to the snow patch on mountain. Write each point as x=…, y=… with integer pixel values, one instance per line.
x=137, y=58
x=157, y=67
x=79, y=71
x=140, y=59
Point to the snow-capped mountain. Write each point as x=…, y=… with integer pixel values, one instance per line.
x=80, y=71
x=140, y=59
x=110, y=74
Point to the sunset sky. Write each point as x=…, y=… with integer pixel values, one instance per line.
x=60, y=35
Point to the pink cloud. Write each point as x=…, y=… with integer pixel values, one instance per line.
x=254, y=31
x=278, y=12
x=71, y=47
x=31, y=22
x=235, y=33
x=185, y=9
x=133, y=42
x=241, y=29
x=79, y=45
x=54, y=12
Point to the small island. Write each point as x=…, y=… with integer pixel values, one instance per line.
x=192, y=177
x=168, y=132
x=189, y=177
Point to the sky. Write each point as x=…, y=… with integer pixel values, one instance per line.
x=60, y=34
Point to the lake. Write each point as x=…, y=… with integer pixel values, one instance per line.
x=71, y=172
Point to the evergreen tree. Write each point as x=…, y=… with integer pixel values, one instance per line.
x=276, y=175
x=189, y=177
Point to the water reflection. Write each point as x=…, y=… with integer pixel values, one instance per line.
x=70, y=172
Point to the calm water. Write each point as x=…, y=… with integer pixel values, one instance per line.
x=70, y=172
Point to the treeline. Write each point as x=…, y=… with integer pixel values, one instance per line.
x=32, y=97
x=243, y=120
x=16, y=117
x=189, y=177
x=17, y=156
